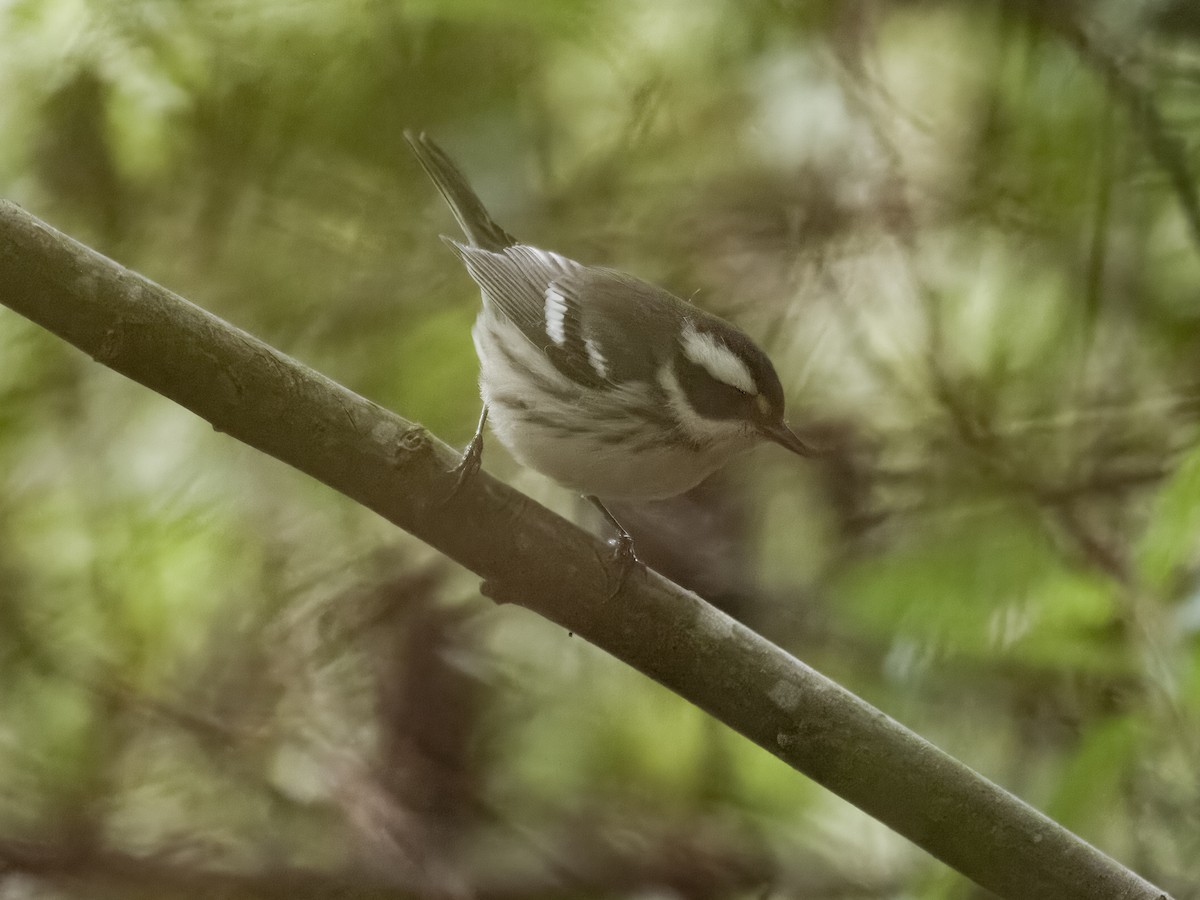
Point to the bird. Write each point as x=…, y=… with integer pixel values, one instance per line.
x=609, y=385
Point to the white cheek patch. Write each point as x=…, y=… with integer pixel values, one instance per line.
x=677, y=401
x=556, y=316
x=596, y=358
x=705, y=432
x=716, y=359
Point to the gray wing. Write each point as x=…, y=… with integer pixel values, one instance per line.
x=597, y=326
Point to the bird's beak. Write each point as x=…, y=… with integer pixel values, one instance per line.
x=785, y=437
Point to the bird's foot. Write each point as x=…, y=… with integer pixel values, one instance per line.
x=626, y=559
x=467, y=468
x=622, y=553
x=469, y=465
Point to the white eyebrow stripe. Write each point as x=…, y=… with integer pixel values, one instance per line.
x=556, y=316
x=596, y=358
x=718, y=360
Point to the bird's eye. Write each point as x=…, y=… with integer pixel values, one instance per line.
x=713, y=397
x=763, y=405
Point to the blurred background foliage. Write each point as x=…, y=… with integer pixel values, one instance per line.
x=968, y=234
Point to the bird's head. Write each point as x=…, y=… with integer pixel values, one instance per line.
x=724, y=389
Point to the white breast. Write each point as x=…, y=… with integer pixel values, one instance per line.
x=593, y=446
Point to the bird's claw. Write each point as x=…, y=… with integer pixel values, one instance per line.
x=469, y=465
x=626, y=559
x=467, y=468
x=623, y=551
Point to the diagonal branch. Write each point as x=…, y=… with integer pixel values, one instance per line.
x=528, y=555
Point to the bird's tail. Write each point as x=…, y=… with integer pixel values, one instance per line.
x=468, y=209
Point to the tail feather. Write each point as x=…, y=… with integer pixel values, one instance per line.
x=468, y=209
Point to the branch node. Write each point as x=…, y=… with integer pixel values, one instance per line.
x=412, y=440
x=110, y=346
x=498, y=592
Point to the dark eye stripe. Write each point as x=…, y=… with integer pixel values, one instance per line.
x=710, y=397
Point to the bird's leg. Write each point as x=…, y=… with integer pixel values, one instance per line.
x=623, y=552
x=472, y=457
